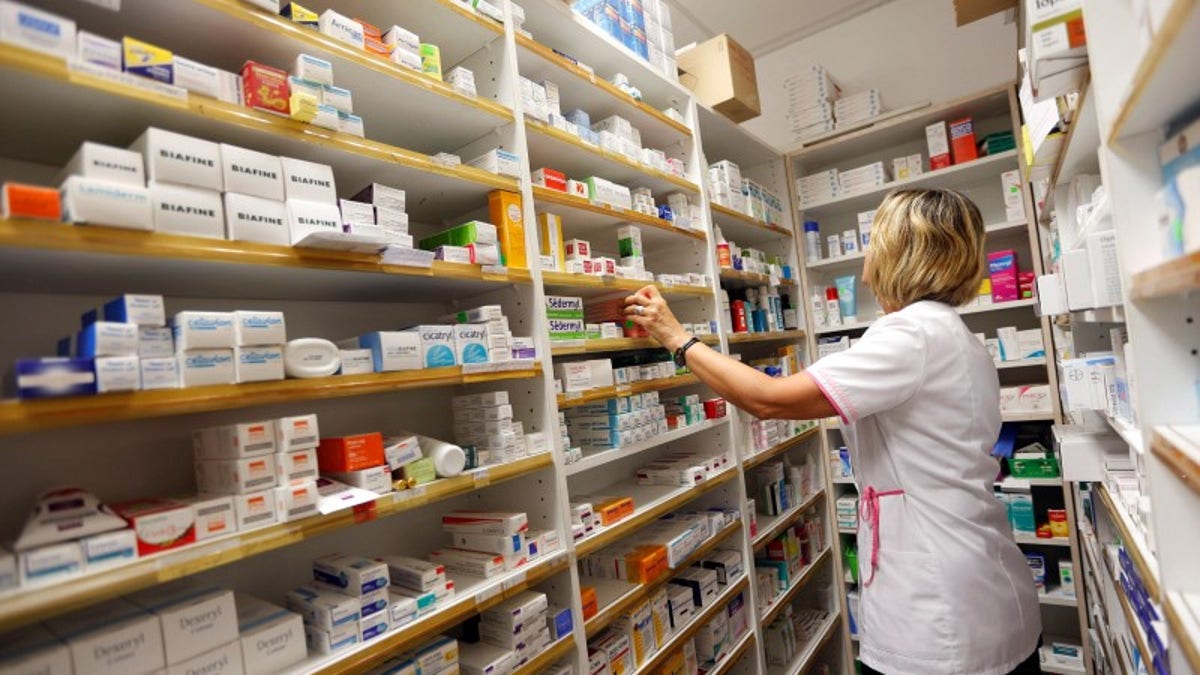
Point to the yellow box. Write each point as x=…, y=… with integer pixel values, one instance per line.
x=508, y=216
x=550, y=239
x=147, y=60
x=303, y=106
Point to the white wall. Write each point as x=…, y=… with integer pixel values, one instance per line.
x=910, y=50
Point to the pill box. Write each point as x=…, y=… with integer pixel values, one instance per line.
x=105, y=202
x=247, y=172
x=255, y=509
x=247, y=439
x=323, y=608
x=214, y=515
x=350, y=574
x=147, y=60
x=203, y=330
x=236, y=476
x=351, y=453
x=117, y=373
x=107, y=338
x=178, y=159
x=187, y=211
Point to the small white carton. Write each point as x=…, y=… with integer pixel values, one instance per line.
x=249, y=218
x=112, y=638
x=272, y=637
x=194, y=618
x=179, y=159
x=299, y=432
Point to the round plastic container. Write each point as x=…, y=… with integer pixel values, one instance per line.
x=311, y=357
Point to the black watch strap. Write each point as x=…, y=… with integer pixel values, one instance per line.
x=681, y=353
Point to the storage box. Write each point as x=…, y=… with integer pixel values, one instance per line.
x=349, y=574
x=721, y=73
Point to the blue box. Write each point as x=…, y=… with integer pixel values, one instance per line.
x=144, y=310
x=561, y=624
x=55, y=376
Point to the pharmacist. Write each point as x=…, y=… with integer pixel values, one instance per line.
x=945, y=590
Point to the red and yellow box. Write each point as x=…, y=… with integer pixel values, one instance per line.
x=265, y=88
x=350, y=453
x=22, y=200
x=507, y=214
x=613, y=509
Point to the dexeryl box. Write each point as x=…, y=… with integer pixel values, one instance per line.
x=194, y=619
x=34, y=649
x=224, y=660
x=272, y=637
x=112, y=638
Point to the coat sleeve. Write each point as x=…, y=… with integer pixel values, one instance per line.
x=881, y=371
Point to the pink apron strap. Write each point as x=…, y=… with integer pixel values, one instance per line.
x=869, y=512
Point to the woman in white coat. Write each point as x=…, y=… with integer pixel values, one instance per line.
x=945, y=590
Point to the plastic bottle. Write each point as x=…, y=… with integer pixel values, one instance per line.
x=449, y=460
x=724, y=257
x=812, y=241
x=790, y=320
x=737, y=311
x=833, y=312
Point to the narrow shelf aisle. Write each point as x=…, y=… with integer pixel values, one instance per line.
x=35, y=602
x=779, y=602
x=18, y=416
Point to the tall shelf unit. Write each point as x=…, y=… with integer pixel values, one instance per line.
x=900, y=135
x=125, y=446
x=1138, y=91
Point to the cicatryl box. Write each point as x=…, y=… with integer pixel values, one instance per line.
x=160, y=524
x=203, y=330
x=112, y=638
x=34, y=649
x=272, y=637
x=180, y=160
x=470, y=343
x=350, y=574
x=246, y=439
x=298, y=432
x=189, y=211
x=437, y=345
x=249, y=218
x=252, y=173
x=194, y=619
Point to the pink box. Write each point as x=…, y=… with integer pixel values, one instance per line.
x=1002, y=268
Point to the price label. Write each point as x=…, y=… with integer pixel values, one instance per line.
x=365, y=512
x=515, y=581
x=487, y=594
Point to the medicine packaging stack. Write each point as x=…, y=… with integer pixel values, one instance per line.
x=1056, y=57
x=725, y=183
x=345, y=604
x=783, y=560
x=645, y=31
x=485, y=544
x=779, y=486
x=811, y=94
x=616, y=422
x=847, y=512
x=434, y=658
x=854, y=109
x=815, y=188
x=1011, y=344
x=498, y=161
x=660, y=547
x=474, y=242
x=484, y=424
x=513, y=632
x=686, y=469
x=862, y=178
x=378, y=206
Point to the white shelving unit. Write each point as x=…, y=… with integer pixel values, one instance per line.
x=137, y=445
x=901, y=135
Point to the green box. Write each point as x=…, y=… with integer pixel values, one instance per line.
x=1046, y=467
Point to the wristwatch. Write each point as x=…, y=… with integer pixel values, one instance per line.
x=681, y=353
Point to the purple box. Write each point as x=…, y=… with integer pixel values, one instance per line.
x=1002, y=268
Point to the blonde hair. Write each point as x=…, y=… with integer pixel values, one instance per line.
x=926, y=245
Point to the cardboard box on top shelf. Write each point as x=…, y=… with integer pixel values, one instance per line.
x=721, y=73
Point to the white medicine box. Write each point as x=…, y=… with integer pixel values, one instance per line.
x=113, y=638
x=252, y=173
x=104, y=162
x=181, y=160
x=194, y=619
x=249, y=218
x=308, y=181
x=190, y=211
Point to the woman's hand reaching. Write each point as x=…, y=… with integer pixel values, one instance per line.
x=648, y=309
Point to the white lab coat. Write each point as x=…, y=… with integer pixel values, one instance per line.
x=951, y=592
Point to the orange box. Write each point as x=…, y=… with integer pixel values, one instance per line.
x=369, y=29
x=350, y=453
x=962, y=140
x=591, y=606
x=22, y=200
x=613, y=509
x=376, y=47
x=507, y=214
x=265, y=88
x=646, y=564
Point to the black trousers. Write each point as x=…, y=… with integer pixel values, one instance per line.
x=1030, y=666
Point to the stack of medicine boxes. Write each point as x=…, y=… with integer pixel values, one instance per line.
x=518, y=625
x=485, y=421
x=228, y=347
x=378, y=209
x=725, y=183
x=347, y=602
x=129, y=345
x=416, y=587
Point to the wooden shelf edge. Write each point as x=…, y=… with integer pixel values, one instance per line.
x=564, y=137
x=641, y=518
x=557, y=650
x=98, y=239
x=48, y=67
x=552, y=278
x=738, y=275
x=749, y=220
x=607, y=614
x=1173, y=607
x=768, y=336
x=1173, y=277
x=38, y=603
x=617, y=345
x=544, y=194
x=1168, y=445
x=600, y=83
x=20, y=416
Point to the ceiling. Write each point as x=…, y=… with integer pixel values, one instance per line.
x=761, y=26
